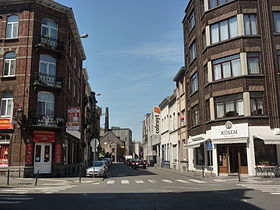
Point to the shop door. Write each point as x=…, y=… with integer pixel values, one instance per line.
x=223, y=159
x=43, y=158
x=233, y=159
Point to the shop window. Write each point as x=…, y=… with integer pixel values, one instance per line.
x=12, y=27
x=229, y=106
x=7, y=104
x=200, y=155
x=253, y=60
x=209, y=153
x=256, y=99
x=250, y=24
x=265, y=154
x=226, y=67
x=45, y=103
x=224, y=30
x=38, y=153
x=4, y=151
x=9, y=64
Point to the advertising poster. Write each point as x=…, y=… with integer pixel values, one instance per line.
x=6, y=124
x=73, y=118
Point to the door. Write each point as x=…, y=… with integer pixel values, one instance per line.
x=234, y=159
x=223, y=159
x=43, y=158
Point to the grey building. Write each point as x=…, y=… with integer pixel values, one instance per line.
x=125, y=134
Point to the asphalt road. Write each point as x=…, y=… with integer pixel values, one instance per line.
x=150, y=189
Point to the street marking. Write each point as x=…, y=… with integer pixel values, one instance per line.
x=219, y=180
x=111, y=182
x=197, y=181
x=152, y=181
x=96, y=183
x=10, y=202
x=166, y=180
x=14, y=195
x=124, y=182
x=15, y=190
x=275, y=193
x=18, y=199
x=182, y=181
x=139, y=181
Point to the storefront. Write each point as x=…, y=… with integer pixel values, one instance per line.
x=6, y=130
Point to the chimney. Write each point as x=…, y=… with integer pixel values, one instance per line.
x=107, y=119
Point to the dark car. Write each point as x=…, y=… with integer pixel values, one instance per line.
x=136, y=163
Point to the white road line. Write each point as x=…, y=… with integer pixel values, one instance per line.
x=139, y=181
x=275, y=193
x=96, y=183
x=10, y=202
x=15, y=190
x=14, y=195
x=166, y=180
x=197, y=181
x=124, y=182
x=18, y=199
x=111, y=182
x=152, y=181
x=182, y=181
x=219, y=180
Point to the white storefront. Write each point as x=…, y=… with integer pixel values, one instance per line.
x=231, y=147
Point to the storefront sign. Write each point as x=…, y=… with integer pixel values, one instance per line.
x=73, y=118
x=58, y=153
x=230, y=130
x=156, y=119
x=28, y=153
x=43, y=136
x=6, y=124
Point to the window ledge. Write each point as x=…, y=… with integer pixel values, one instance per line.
x=194, y=93
x=191, y=31
x=192, y=61
x=194, y=126
x=237, y=118
x=8, y=77
x=233, y=78
x=11, y=39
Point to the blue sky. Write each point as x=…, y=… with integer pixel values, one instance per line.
x=134, y=49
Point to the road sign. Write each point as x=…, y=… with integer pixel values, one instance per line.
x=94, y=143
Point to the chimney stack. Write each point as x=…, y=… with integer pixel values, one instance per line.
x=107, y=119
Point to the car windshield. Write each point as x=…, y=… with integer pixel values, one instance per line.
x=97, y=163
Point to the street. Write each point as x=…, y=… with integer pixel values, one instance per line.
x=150, y=189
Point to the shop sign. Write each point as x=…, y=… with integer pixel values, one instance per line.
x=230, y=130
x=6, y=124
x=28, y=153
x=156, y=119
x=58, y=153
x=44, y=136
x=73, y=118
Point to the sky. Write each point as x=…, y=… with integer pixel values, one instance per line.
x=134, y=50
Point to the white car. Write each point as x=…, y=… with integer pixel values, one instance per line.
x=100, y=169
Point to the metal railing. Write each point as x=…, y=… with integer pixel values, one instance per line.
x=49, y=80
x=49, y=42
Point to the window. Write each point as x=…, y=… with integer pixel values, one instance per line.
x=195, y=116
x=191, y=21
x=200, y=155
x=9, y=64
x=206, y=74
x=203, y=40
x=47, y=65
x=194, y=83
x=253, y=60
x=224, y=30
x=192, y=52
x=276, y=22
x=229, y=106
x=250, y=24
x=207, y=109
x=202, y=7
x=7, y=104
x=226, y=67
x=278, y=59
x=45, y=104
x=215, y=3
x=49, y=32
x=12, y=27
x=256, y=99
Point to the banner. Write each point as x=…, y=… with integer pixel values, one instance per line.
x=73, y=118
x=43, y=136
x=6, y=124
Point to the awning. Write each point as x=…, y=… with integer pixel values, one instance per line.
x=269, y=139
x=196, y=144
x=230, y=141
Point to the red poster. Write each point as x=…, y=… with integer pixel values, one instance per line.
x=73, y=118
x=29, y=153
x=43, y=136
x=58, y=153
x=6, y=124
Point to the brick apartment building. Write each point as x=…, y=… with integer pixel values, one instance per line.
x=41, y=57
x=232, y=59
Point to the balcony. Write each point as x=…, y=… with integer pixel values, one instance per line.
x=50, y=43
x=47, y=80
x=46, y=121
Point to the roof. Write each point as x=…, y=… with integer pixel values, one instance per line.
x=179, y=73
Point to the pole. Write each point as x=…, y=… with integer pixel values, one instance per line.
x=36, y=180
x=203, y=170
x=19, y=173
x=239, y=178
x=8, y=177
x=80, y=173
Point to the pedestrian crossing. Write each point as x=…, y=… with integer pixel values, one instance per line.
x=9, y=199
x=153, y=181
x=266, y=188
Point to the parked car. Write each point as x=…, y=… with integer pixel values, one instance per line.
x=128, y=162
x=136, y=163
x=108, y=161
x=149, y=162
x=99, y=169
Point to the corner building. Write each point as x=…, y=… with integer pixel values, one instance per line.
x=41, y=58
x=232, y=59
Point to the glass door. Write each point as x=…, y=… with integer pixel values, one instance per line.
x=42, y=158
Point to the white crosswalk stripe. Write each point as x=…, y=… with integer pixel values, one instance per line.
x=167, y=181
x=111, y=182
x=182, y=181
x=197, y=181
x=13, y=198
x=139, y=181
x=152, y=181
x=124, y=182
x=266, y=188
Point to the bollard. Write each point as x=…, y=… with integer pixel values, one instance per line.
x=203, y=170
x=80, y=173
x=8, y=177
x=19, y=173
x=239, y=178
x=36, y=180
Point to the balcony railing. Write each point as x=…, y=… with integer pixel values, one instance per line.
x=48, y=42
x=45, y=120
x=48, y=80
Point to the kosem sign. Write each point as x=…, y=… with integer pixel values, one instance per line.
x=230, y=130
